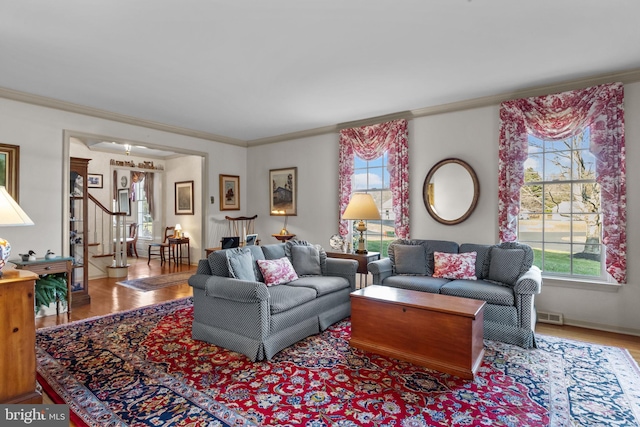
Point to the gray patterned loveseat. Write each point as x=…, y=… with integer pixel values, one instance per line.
x=234, y=308
x=504, y=278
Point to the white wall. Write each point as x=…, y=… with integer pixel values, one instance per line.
x=317, y=161
x=39, y=133
x=471, y=135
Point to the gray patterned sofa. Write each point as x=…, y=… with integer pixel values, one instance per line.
x=235, y=309
x=504, y=278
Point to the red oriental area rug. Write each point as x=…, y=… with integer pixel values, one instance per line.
x=142, y=368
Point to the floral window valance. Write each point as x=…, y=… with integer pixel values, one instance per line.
x=560, y=116
x=370, y=142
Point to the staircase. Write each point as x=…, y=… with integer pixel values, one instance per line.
x=107, y=241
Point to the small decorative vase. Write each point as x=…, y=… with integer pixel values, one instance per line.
x=5, y=251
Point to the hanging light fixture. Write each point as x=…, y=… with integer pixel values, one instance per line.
x=127, y=149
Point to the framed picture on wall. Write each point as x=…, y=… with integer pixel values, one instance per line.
x=124, y=204
x=94, y=180
x=9, y=162
x=184, y=197
x=229, y=193
x=283, y=189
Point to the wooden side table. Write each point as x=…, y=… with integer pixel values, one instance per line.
x=363, y=260
x=175, y=249
x=42, y=266
x=283, y=237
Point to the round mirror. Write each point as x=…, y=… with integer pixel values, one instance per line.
x=451, y=191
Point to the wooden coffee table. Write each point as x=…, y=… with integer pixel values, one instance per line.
x=440, y=332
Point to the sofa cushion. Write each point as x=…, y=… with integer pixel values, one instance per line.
x=431, y=246
x=321, y=284
x=480, y=289
x=482, y=258
x=506, y=265
x=416, y=283
x=306, y=260
x=285, y=297
x=410, y=259
x=240, y=264
x=276, y=271
x=290, y=244
x=455, y=266
x=274, y=251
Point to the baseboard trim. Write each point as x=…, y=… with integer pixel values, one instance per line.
x=602, y=327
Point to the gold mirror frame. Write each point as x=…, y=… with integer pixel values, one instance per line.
x=428, y=191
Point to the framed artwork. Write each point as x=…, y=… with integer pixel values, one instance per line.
x=229, y=193
x=184, y=198
x=9, y=163
x=124, y=204
x=94, y=180
x=283, y=189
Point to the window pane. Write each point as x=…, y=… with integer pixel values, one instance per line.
x=584, y=165
x=530, y=228
x=531, y=199
x=557, y=259
x=558, y=145
x=557, y=199
x=557, y=166
x=533, y=168
x=557, y=229
x=588, y=261
x=359, y=163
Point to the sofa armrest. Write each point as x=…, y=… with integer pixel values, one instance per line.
x=346, y=268
x=530, y=282
x=381, y=269
x=233, y=289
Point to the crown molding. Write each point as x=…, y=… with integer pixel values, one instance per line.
x=44, y=101
x=628, y=76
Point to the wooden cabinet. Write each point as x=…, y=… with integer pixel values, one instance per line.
x=78, y=231
x=18, y=337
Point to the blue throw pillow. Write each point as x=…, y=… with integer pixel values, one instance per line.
x=240, y=263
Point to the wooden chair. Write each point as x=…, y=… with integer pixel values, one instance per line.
x=133, y=240
x=168, y=232
x=241, y=226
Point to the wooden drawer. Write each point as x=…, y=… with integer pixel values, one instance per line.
x=48, y=268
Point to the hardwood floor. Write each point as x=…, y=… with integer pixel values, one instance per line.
x=108, y=297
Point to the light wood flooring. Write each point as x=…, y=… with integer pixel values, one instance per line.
x=108, y=297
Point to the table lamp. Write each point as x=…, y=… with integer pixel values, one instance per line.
x=361, y=207
x=282, y=212
x=178, y=230
x=11, y=215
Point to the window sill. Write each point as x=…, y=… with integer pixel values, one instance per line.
x=589, y=285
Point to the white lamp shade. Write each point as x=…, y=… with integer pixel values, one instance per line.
x=361, y=206
x=178, y=227
x=11, y=214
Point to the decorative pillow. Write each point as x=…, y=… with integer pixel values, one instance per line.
x=410, y=259
x=277, y=271
x=455, y=266
x=240, y=264
x=306, y=260
x=290, y=244
x=505, y=265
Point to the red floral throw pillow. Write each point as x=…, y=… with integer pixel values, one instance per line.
x=276, y=271
x=455, y=266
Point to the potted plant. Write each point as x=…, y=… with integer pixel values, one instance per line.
x=50, y=289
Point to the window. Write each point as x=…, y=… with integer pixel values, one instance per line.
x=145, y=230
x=374, y=159
x=372, y=177
x=580, y=134
x=560, y=207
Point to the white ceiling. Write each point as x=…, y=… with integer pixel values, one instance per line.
x=253, y=69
